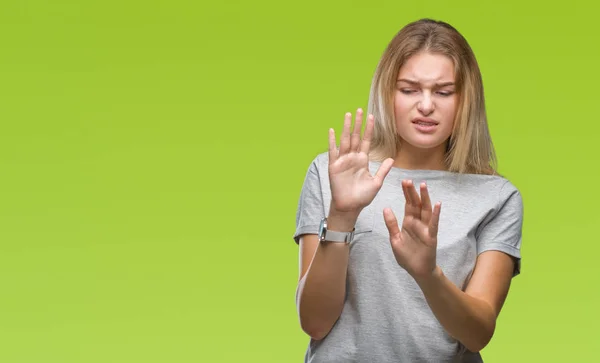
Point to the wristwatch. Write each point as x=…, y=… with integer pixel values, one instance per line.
x=326, y=235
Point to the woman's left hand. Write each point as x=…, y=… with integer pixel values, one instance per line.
x=415, y=244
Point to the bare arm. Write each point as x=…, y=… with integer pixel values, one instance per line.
x=322, y=284
x=470, y=316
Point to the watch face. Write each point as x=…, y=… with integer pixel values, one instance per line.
x=322, y=229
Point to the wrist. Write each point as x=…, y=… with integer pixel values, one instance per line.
x=430, y=279
x=341, y=221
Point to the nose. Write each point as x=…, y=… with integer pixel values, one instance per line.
x=425, y=105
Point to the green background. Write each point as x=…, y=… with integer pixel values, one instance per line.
x=152, y=154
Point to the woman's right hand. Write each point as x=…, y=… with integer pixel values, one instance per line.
x=352, y=185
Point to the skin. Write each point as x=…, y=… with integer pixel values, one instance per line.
x=425, y=89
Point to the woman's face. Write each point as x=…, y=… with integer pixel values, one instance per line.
x=425, y=100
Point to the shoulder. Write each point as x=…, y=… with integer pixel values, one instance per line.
x=322, y=159
x=492, y=186
x=481, y=195
x=508, y=192
x=317, y=172
x=320, y=163
x=506, y=202
x=510, y=199
x=508, y=196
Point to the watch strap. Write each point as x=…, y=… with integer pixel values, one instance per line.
x=334, y=236
x=326, y=235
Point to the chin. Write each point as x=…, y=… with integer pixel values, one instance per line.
x=425, y=143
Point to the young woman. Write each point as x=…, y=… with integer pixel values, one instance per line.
x=408, y=237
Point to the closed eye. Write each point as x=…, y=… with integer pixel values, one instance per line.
x=407, y=91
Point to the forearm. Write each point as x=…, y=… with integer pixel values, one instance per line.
x=468, y=319
x=320, y=295
x=322, y=289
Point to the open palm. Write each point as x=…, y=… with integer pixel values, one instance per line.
x=352, y=185
x=415, y=244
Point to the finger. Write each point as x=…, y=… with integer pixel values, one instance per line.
x=383, y=171
x=412, y=207
x=333, y=152
x=355, y=139
x=415, y=200
x=414, y=196
x=391, y=222
x=425, y=204
x=409, y=226
x=407, y=208
x=435, y=220
x=366, y=141
x=345, y=138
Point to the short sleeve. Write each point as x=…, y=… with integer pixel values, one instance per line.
x=310, y=205
x=503, y=230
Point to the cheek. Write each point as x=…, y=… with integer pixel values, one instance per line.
x=449, y=109
x=449, y=113
x=401, y=106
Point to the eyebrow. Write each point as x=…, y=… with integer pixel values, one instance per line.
x=444, y=84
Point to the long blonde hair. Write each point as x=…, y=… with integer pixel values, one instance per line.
x=470, y=148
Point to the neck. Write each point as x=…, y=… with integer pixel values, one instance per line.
x=409, y=157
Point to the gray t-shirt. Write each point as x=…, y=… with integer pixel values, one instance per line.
x=385, y=317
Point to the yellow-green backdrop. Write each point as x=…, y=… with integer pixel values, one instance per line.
x=152, y=154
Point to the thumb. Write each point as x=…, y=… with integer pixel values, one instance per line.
x=391, y=222
x=383, y=170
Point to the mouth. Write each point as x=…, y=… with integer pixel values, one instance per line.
x=425, y=122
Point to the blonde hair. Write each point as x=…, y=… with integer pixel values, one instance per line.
x=470, y=148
